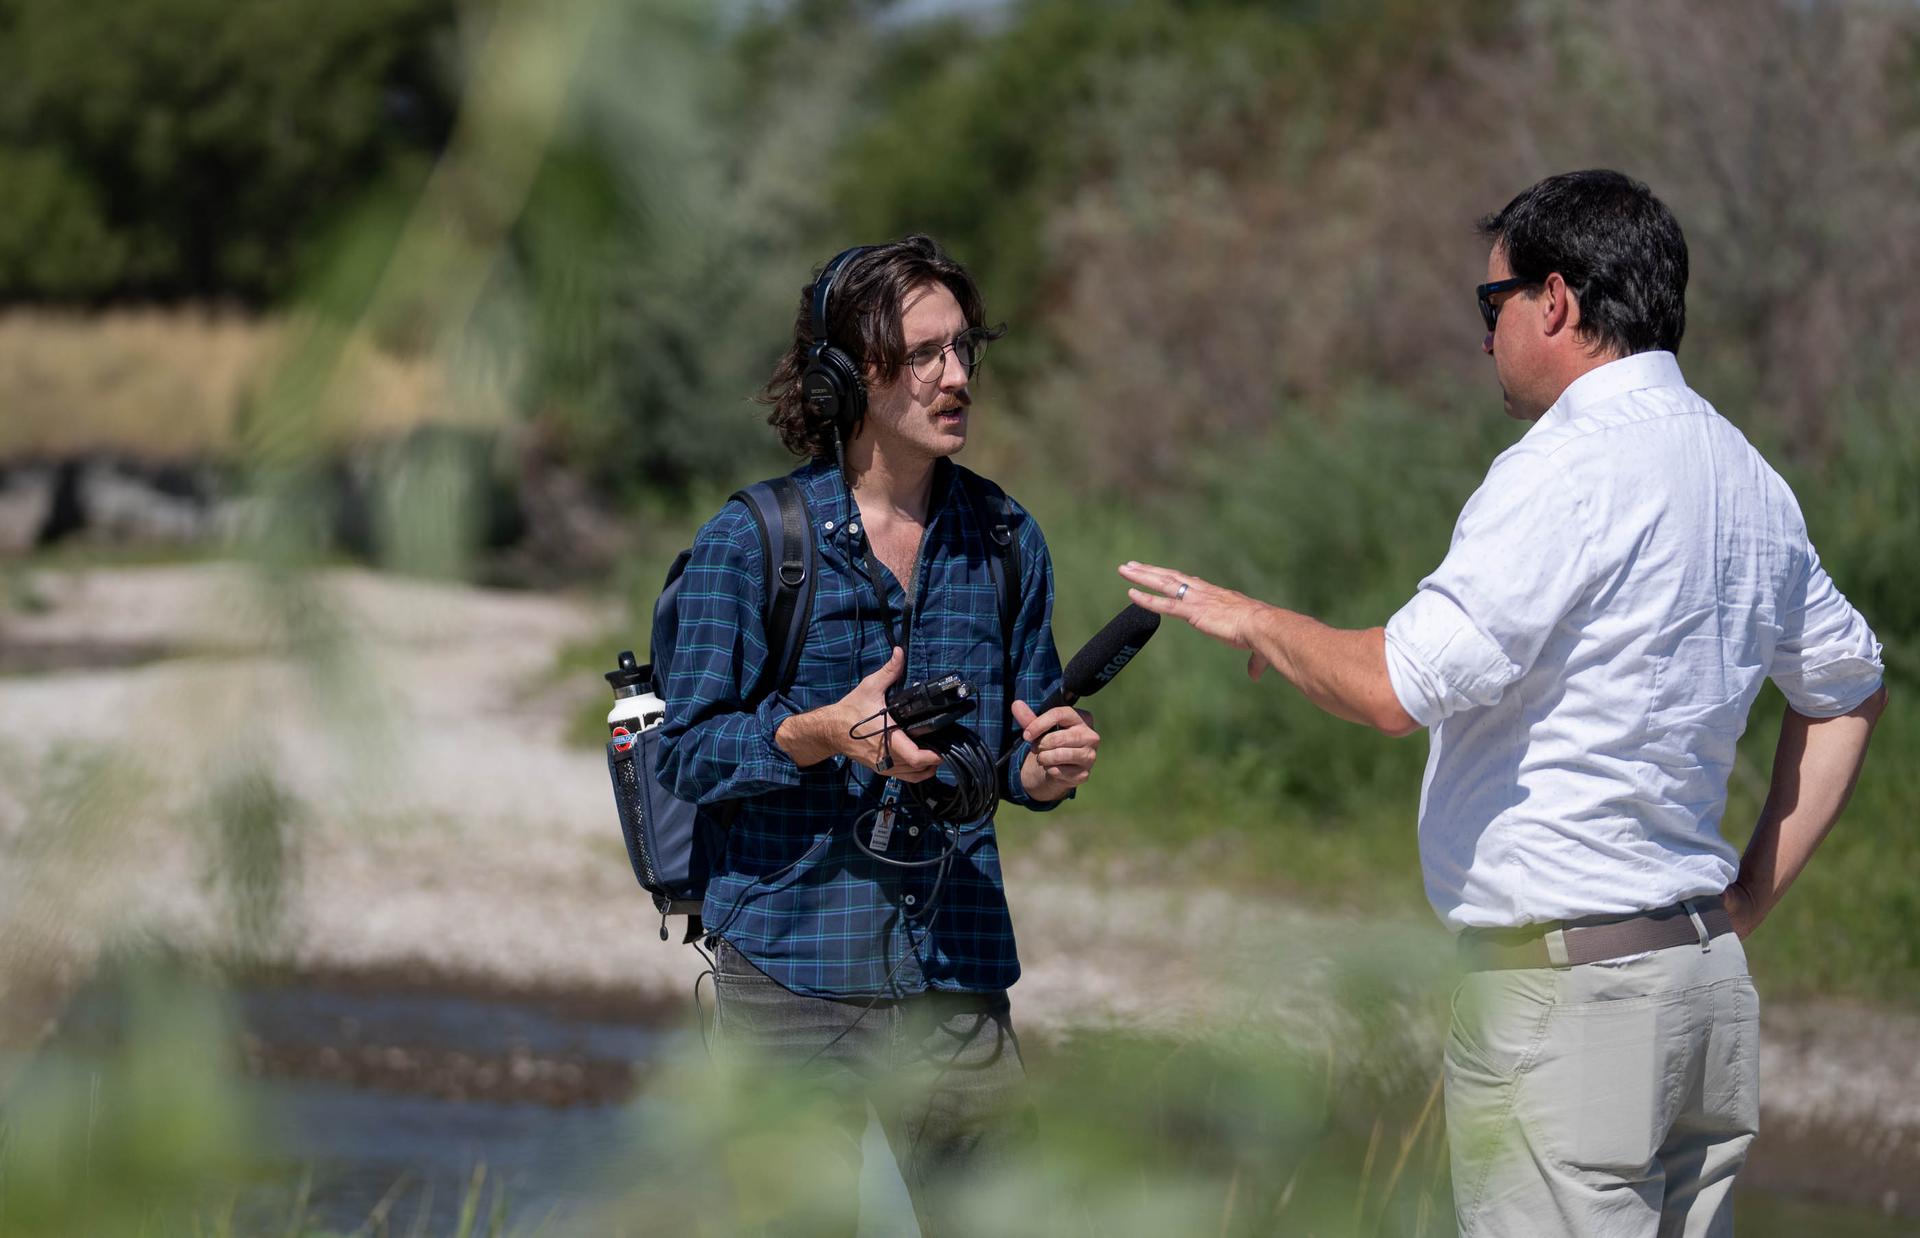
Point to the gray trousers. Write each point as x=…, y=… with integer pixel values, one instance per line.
x=1611, y=1098
x=941, y=1070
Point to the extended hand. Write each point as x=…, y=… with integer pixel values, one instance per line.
x=1230, y=618
x=1061, y=758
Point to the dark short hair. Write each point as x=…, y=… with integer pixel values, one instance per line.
x=864, y=321
x=1618, y=247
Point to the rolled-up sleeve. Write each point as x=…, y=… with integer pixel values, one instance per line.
x=1036, y=660
x=714, y=745
x=1827, y=660
x=1519, y=562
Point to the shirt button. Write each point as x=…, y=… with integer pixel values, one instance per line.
x=909, y=900
x=913, y=831
x=853, y=527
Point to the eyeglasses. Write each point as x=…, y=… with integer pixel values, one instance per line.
x=1489, y=312
x=929, y=361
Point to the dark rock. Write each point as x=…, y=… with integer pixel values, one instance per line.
x=66, y=514
x=123, y=506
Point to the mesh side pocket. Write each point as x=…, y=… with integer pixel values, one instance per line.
x=629, y=800
x=670, y=851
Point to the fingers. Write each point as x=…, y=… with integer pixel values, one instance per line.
x=909, y=761
x=1066, y=751
x=1067, y=773
x=1032, y=728
x=1162, y=579
x=1163, y=590
x=1151, y=601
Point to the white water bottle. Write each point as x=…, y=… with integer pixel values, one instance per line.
x=636, y=706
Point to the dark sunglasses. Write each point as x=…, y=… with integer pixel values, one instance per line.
x=1489, y=312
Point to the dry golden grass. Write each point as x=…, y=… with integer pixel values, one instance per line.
x=173, y=383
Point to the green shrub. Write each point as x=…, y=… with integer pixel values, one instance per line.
x=168, y=148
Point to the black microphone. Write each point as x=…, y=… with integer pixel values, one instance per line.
x=1103, y=657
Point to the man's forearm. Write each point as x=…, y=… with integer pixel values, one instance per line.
x=1343, y=671
x=1815, y=766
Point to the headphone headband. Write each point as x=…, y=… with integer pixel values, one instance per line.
x=831, y=383
x=823, y=289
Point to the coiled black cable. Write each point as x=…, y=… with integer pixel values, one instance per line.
x=965, y=790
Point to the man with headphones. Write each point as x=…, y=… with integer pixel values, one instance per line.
x=863, y=950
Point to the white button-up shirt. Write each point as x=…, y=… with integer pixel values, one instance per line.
x=1586, y=655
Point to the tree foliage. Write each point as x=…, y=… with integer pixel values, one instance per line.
x=160, y=149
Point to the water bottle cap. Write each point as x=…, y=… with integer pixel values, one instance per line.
x=632, y=678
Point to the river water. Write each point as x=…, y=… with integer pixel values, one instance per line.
x=385, y=1103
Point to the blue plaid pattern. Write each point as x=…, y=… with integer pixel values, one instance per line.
x=794, y=894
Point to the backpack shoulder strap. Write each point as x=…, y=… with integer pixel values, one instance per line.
x=993, y=511
x=779, y=512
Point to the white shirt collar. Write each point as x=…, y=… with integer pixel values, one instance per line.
x=1616, y=378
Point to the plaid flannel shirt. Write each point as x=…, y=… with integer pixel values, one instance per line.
x=794, y=894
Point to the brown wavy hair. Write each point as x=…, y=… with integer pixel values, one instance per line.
x=864, y=321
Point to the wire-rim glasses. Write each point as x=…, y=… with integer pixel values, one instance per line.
x=929, y=361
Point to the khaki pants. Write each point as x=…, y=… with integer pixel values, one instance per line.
x=1607, y=1099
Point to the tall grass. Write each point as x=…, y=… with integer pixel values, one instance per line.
x=183, y=384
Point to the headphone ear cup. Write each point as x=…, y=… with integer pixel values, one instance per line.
x=853, y=387
x=832, y=387
x=820, y=390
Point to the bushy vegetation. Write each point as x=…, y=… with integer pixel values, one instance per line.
x=176, y=148
x=1235, y=246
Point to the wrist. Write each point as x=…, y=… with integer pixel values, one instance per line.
x=812, y=737
x=1261, y=635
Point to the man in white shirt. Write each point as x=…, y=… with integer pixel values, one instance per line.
x=1584, y=659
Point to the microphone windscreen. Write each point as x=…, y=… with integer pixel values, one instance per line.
x=1111, y=648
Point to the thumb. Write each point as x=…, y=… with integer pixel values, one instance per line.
x=891, y=671
x=1256, y=667
x=1023, y=714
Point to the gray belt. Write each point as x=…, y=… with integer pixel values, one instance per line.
x=1695, y=921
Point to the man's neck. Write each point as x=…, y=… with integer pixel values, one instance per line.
x=889, y=485
x=1576, y=366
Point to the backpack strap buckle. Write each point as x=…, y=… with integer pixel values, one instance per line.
x=786, y=554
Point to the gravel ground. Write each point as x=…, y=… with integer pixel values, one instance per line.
x=442, y=830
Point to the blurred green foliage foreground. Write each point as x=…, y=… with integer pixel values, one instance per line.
x=152, y=1130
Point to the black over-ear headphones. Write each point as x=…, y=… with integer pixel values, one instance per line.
x=831, y=384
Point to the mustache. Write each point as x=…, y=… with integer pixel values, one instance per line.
x=958, y=401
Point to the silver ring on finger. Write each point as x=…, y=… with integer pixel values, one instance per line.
x=1180, y=594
